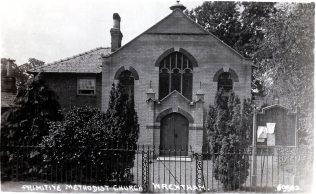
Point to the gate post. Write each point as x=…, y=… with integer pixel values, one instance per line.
x=254, y=150
x=145, y=170
x=199, y=171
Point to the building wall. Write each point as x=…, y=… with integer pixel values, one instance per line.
x=142, y=53
x=65, y=86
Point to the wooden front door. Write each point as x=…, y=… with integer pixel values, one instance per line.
x=174, y=135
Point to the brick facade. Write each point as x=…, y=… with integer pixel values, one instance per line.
x=141, y=56
x=212, y=56
x=65, y=86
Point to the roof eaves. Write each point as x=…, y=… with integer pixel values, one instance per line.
x=140, y=34
x=216, y=37
x=63, y=60
x=201, y=27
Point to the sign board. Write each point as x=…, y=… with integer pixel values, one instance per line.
x=262, y=132
x=270, y=139
x=266, y=134
x=276, y=126
x=270, y=128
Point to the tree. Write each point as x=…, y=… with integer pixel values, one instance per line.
x=286, y=69
x=229, y=129
x=240, y=25
x=122, y=118
x=27, y=123
x=22, y=75
x=122, y=124
x=219, y=18
x=20, y=72
x=77, y=142
x=253, y=18
x=286, y=62
x=101, y=145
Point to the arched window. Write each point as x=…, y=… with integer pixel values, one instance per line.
x=175, y=73
x=225, y=82
x=127, y=80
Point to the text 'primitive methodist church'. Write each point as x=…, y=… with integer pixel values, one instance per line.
x=172, y=70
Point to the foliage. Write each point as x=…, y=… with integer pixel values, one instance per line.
x=75, y=142
x=229, y=130
x=122, y=118
x=20, y=72
x=253, y=17
x=27, y=122
x=239, y=25
x=279, y=37
x=93, y=140
x=122, y=124
x=286, y=68
x=35, y=106
x=286, y=62
x=219, y=18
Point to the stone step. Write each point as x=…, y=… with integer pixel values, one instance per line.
x=175, y=158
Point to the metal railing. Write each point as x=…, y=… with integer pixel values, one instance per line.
x=161, y=170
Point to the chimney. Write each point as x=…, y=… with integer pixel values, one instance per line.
x=9, y=67
x=116, y=34
x=8, y=82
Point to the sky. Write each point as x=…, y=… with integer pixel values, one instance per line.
x=50, y=30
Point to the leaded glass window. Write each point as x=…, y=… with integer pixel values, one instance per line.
x=175, y=73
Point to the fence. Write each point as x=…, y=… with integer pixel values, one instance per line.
x=147, y=168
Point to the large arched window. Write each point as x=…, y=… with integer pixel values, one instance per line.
x=175, y=73
x=127, y=80
x=225, y=82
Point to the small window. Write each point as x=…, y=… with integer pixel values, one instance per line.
x=86, y=86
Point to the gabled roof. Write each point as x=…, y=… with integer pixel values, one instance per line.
x=168, y=25
x=176, y=23
x=87, y=62
x=175, y=94
x=275, y=106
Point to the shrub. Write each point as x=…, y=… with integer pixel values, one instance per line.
x=122, y=124
x=87, y=145
x=229, y=133
x=25, y=124
x=75, y=143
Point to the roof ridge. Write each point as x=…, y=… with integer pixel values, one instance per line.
x=191, y=20
x=68, y=58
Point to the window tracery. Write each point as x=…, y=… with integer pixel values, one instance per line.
x=175, y=73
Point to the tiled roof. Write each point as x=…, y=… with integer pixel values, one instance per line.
x=7, y=99
x=87, y=62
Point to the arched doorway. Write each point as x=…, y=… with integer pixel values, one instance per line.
x=174, y=131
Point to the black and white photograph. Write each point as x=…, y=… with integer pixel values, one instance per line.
x=157, y=96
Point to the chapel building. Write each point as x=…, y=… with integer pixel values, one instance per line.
x=173, y=71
